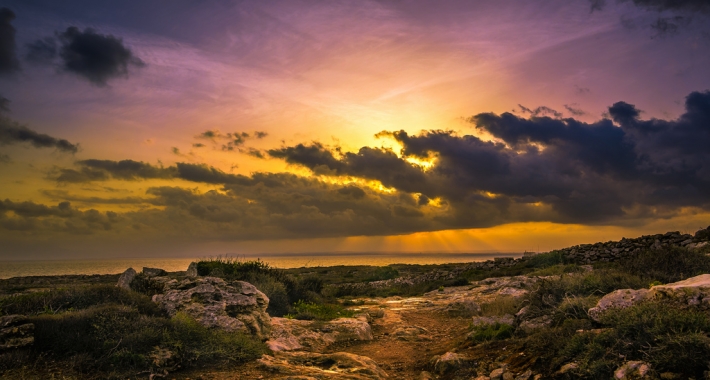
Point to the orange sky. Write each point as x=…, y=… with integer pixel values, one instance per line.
x=332, y=77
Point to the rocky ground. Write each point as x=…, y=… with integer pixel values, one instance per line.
x=393, y=338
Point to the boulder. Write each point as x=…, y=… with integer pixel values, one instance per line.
x=126, y=278
x=464, y=307
x=450, y=362
x=694, y=292
x=618, y=299
x=15, y=332
x=234, y=306
x=569, y=367
x=292, y=334
x=411, y=333
x=192, y=270
x=338, y=365
x=633, y=370
x=153, y=272
x=527, y=375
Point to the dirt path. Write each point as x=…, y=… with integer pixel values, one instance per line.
x=402, y=359
x=407, y=332
x=407, y=358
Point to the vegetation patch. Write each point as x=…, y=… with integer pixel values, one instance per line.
x=115, y=341
x=320, y=312
x=488, y=332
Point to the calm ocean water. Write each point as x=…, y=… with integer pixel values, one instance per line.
x=59, y=267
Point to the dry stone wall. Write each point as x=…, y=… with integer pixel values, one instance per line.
x=580, y=254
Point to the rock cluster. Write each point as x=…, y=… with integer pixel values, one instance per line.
x=613, y=250
x=15, y=332
x=311, y=365
x=293, y=334
x=693, y=292
x=213, y=302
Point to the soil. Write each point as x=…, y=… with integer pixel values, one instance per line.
x=401, y=359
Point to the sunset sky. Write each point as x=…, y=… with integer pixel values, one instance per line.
x=185, y=128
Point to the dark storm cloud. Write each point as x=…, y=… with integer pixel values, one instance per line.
x=4, y=104
x=12, y=132
x=41, y=51
x=30, y=216
x=582, y=172
x=660, y=5
x=675, y=5
x=128, y=169
x=8, y=48
x=377, y=163
x=95, y=56
x=619, y=170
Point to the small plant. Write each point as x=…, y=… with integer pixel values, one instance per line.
x=441, y=288
x=320, y=312
x=488, y=332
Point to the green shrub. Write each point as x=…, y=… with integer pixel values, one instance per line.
x=501, y=305
x=113, y=338
x=320, y=312
x=105, y=333
x=548, y=294
x=146, y=285
x=279, y=303
x=488, y=332
x=556, y=270
x=382, y=273
x=198, y=345
x=76, y=298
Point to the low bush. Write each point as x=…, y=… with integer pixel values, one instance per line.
x=115, y=341
x=146, y=285
x=320, y=312
x=382, y=273
x=548, y=294
x=500, y=306
x=488, y=332
x=76, y=298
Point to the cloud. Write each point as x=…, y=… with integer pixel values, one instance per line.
x=94, y=56
x=230, y=141
x=127, y=169
x=571, y=108
x=660, y=5
x=540, y=111
x=664, y=25
x=35, y=217
x=621, y=170
x=602, y=172
x=12, y=133
x=42, y=51
x=674, y=5
x=8, y=49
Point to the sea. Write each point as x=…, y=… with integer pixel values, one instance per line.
x=21, y=268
